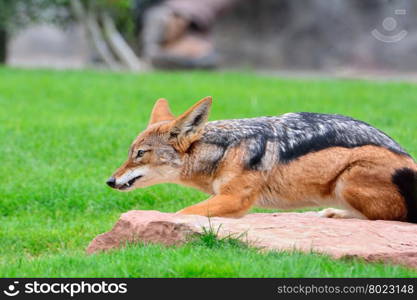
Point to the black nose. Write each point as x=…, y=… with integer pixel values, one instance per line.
x=111, y=182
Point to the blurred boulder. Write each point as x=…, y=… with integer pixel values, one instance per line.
x=319, y=34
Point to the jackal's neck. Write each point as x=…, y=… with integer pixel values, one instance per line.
x=200, y=166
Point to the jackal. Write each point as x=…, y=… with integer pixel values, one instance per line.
x=289, y=161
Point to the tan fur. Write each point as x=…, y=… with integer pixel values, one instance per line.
x=359, y=180
x=356, y=179
x=364, y=175
x=232, y=187
x=182, y=142
x=161, y=112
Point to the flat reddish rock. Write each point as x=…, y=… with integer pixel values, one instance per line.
x=390, y=241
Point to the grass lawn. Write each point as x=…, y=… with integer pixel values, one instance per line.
x=63, y=133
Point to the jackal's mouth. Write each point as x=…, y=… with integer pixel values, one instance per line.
x=129, y=184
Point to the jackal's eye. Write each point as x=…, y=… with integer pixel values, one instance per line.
x=140, y=153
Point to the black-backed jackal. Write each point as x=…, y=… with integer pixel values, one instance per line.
x=289, y=161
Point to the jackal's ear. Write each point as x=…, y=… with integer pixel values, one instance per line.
x=161, y=112
x=187, y=127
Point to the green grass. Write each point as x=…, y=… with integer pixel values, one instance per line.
x=63, y=133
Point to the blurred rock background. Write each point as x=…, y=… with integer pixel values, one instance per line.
x=376, y=35
x=319, y=34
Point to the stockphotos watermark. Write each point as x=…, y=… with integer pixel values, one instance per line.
x=391, y=33
x=72, y=289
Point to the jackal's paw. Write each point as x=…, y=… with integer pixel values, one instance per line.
x=335, y=213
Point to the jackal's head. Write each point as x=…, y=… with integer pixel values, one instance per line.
x=156, y=155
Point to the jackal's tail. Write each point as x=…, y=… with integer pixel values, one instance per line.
x=406, y=180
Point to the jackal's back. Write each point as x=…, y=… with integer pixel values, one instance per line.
x=269, y=140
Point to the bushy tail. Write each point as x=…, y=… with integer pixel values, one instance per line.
x=406, y=180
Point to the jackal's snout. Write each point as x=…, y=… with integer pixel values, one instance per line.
x=123, y=183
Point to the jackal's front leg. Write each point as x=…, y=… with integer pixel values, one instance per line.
x=220, y=206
